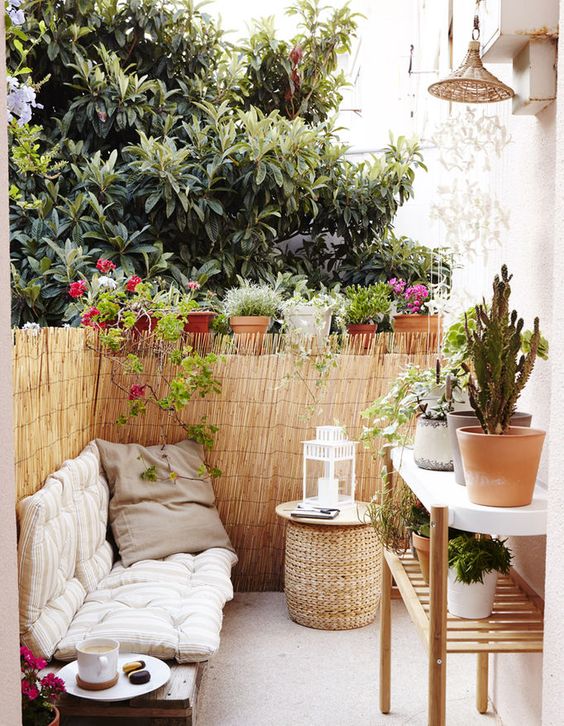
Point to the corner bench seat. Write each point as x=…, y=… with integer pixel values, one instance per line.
x=70, y=589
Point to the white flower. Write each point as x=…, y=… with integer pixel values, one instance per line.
x=16, y=16
x=20, y=100
x=34, y=327
x=107, y=282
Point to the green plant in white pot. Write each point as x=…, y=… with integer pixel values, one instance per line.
x=309, y=312
x=250, y=308
x=500, y=460
x=474, y=562
x=365, y=308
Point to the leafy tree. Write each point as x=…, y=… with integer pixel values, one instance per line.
x=166, y=148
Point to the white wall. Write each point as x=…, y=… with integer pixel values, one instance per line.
x=9, y=641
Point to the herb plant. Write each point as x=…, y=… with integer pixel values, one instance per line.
x=473, y=556
x=366, y=304
x=252, y=299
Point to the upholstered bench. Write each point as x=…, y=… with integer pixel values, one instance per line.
x=73, y=587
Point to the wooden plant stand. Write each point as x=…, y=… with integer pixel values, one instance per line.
x=516, y=624
x=174, y=704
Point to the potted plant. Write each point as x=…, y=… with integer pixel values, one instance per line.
x=309, y=312
x=420, y=526
x=365, y=307
x=474, y=562
x=39, y=693
x=455, y=348
x=250, y=308
x=411, y=304
x=500, y=460
x=417, y=392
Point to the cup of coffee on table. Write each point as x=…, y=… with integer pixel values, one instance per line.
x=97, y=661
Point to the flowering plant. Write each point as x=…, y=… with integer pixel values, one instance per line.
x=39, y=694
x=410, y=299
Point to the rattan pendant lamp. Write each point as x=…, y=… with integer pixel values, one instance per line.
x=471, y=82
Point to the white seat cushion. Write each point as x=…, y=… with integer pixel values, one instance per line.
x=90, y=492
x=50, y=594
x=169, y=608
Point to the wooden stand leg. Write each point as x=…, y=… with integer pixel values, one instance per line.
x=482, y=682
x=385, y=637
x=438, y=616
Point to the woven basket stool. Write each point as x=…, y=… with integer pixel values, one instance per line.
x=332, y=575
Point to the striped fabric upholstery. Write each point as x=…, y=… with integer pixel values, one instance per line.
x=170, y=608
x=83, y=475
x=50, y=594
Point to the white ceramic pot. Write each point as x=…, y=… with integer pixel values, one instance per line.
x=432, y=449
x=309, y=320
x=474, y=601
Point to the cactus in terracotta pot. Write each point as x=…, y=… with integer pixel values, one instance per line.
x=501, y=370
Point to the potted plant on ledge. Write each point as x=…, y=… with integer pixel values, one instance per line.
x=500, y=460
x=412, y=308
x=250, y=308
x=474, y=562
x=309, y=313
x=39, y=694
x=365, y=308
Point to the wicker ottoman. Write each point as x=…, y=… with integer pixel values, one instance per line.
x=332, y=570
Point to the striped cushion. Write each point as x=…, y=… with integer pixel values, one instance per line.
x=50, y=594
x=83, y=475
x=169, y=608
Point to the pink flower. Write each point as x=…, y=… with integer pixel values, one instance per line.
x=136, y=392
x=105, y=266
x=53, y=683
x=193, y=285
x=29, y=689
x=132, y=283
x=78, y=289
x=86, y=319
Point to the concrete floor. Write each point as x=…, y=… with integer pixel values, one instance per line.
x=270, y=671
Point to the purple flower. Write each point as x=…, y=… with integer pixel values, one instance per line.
x=20, y=100
x=16, y=16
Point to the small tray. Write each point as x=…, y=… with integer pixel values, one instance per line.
x=123, y=690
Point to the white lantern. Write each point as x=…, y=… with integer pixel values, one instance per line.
x=329, y=468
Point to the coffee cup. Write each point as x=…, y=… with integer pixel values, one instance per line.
x=97, y=660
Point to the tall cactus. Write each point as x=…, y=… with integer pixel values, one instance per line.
x=500, y=370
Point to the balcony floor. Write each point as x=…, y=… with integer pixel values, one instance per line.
x=272, y=672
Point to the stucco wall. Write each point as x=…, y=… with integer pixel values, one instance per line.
x=9, y=640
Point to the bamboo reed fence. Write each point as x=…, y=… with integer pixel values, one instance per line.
x=64, y=396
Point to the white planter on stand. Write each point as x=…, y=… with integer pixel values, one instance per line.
x=432, y=449
x=474, y=601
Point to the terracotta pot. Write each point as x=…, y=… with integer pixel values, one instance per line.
x=199, y=321
x=474, y=601
x=249, y=323
x=500, y=471
x=458, y=419
x=367, y=330
x=144, y=324
x=432, y=449
x=56, y=719
x=417, y=324
x=421, y=545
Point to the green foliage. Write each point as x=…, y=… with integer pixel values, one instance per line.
x=499, y=370
x=167, y=149
x=252, y=299
x=367, y=304
x=473, y=556
x=390, y=514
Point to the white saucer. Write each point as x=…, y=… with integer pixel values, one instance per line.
x=123, y=690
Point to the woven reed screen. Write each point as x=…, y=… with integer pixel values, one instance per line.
x=65, y=396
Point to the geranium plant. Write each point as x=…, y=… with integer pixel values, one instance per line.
x=410, y=299
x=39, y=693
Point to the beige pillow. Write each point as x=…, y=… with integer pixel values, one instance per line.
x=154, y=519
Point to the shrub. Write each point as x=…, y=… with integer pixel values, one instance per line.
x=367, y=304
x=252, y=299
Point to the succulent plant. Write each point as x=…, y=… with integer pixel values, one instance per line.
x=500, y=369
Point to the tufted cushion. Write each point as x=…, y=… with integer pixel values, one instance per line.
x=83, y=475
x=50, y=594
x=169, y=608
